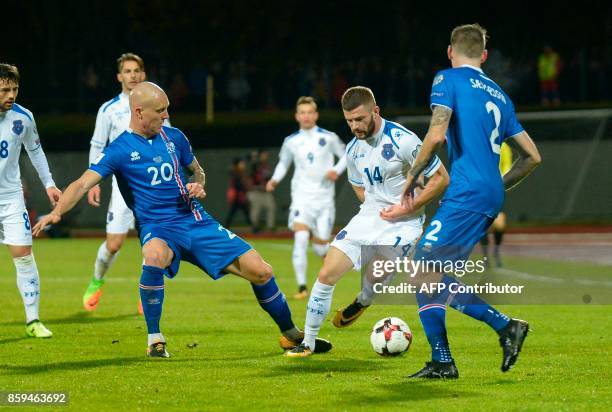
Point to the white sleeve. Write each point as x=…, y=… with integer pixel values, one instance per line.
x=31, y=141
x=353, y=175
x=409, y=147
x=101, y=135
x=339, y=149
x=285, y=158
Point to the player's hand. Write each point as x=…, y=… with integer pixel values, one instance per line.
x=93, y=196
x=393, y=212
x=271, y=185
x=54, y=195
x=196, y=190
x=408, y=194
x=331, y=175
x=49, y=219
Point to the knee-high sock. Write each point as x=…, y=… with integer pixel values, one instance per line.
x=300, y=261
x=433, y=319
x=272, y=300
x=474, y=306
x=28, y=283
x=152, y=297
x=104, y=260
x=316, y=311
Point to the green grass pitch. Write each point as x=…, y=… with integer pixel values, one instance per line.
x=98, y=358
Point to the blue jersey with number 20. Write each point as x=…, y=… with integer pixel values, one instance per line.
x=483, y=117
x=150, y=175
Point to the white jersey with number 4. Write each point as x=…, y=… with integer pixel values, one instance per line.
x=17, y=128
x=379, y=164
x=312, y=153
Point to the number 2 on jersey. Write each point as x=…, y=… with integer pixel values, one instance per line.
x=374, y=177
x=492, y=107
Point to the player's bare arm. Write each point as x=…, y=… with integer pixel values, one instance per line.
x=528, y=159
x=435, y=186
x=435, y=137
x=196, y=187
x=73, y=193
x=359, y=192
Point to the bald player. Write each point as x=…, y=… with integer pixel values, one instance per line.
x=148, y=161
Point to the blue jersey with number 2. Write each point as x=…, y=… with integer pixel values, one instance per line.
x=483, y=117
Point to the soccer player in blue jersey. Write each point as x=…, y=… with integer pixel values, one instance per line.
x=148, y=161
x=474, y=116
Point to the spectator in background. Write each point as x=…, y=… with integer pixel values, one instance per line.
x=238, y=88
x=237, y=192
x=549, y=68
x=260, y=200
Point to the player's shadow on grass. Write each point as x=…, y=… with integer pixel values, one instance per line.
x=78, y=318
x=10, y=340
x=323, y=364
x=410, y=390
x=81, y=365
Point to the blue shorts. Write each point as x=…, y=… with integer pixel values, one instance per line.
x=452, y=234
x=205, y=243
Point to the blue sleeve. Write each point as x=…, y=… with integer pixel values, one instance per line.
x=513, y=126
x=184, y=149
x=442, y=92
x=107, y=162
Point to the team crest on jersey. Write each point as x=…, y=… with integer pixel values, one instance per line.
x=322, y=141
x=134, y=156
x=17, y=127
x=170, y=147
x=387, y=151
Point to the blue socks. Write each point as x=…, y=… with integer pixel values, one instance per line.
x=433, y=319
x=432, y=312
x=474, y=306
x=272, y=300
x=152, y=296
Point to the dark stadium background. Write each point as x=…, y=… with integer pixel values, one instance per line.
x=66, y=53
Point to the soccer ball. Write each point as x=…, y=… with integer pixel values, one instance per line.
x=391, y=337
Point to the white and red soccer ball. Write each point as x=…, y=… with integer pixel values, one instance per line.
x=391, y=337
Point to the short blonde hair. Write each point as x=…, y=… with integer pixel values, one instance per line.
x=306, y=100
x=469, y=40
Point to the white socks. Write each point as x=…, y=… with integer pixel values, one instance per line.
x=154, y=338
x=300, y=261
x=316, y=311
x=28, y=283
x=320, y=250
x=104, y=260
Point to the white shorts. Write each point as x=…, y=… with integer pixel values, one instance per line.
x=367, y=229
x=319, y=218
x=15, y=227
x=119, y=218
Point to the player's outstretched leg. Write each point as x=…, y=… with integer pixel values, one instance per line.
x=253, y=268
x=28, y=282
x=152, y=297
x=104, y=261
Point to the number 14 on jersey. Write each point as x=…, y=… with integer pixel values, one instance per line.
x=376, y=176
